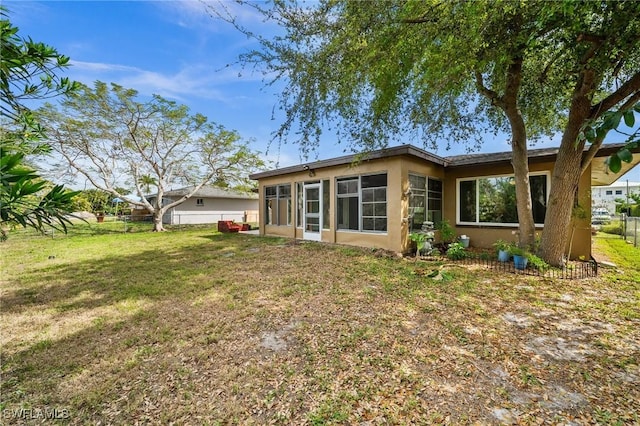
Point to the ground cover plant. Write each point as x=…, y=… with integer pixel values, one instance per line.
x=198, y=327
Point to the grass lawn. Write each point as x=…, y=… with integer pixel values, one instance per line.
x=197, y=327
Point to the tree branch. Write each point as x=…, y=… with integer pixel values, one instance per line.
x=494, y=98
x=630, y=87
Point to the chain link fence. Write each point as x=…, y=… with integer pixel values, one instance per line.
x=631, y=229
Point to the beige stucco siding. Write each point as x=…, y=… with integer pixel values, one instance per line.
x=485, y=236
x=398, y=168
x=389, y=240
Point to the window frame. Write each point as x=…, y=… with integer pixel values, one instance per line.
x=426, y=193
x=475, y=179
x=360, y=202
x=277, y=199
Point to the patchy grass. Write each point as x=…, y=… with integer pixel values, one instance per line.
x=197, y=327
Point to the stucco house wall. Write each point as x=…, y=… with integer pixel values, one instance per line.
x=399, y=163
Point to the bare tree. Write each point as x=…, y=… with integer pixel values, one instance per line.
x=109, y=137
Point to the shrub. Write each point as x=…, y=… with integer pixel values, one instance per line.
x=456, y=251
x=614, y=228
x=447, y=233
x=537, y=262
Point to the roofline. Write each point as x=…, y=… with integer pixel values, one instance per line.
x=348, y=159
x=539, y=154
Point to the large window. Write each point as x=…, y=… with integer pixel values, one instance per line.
x=362, y=203
x=425, y=201
x=492, y=200
x=278, y=204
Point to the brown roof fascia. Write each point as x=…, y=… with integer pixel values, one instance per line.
x=354, y=158
x=541, y=154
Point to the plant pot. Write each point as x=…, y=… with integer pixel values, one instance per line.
x=465, y=242
x=100, y=218
x=520, y=262
x=503, y=256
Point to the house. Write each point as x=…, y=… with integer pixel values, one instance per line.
x=209, y=205
x=377, y=200
x=604, y=197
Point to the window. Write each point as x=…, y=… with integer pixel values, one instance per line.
x=348, y=204
x=417, y=201
x=362, y=203
x=618, y=191
x=325, y=204
x=609, y=192
x=425, y=202
x=278, y=205
x=200, y=202
x=492, y=200
x=374, y=202
x=299, y=204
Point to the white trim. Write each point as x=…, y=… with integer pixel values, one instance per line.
x=311, y=235
x=547, y=174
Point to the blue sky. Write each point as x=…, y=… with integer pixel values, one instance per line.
x=175, y=49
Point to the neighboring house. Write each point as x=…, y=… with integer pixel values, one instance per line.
x=605, y=196
x=378, y=201
x=209, y=205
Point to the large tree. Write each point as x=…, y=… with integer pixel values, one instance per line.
x=113, y=139
x=28, y=71
x=453, y=72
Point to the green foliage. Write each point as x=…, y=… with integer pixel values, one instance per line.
x=502, y=245
x=25, y=200
x=537, y=262
x=419, y=238
x=168, y=146
x=27, y=72
x=447, y=233
x=456, y=251
x=613, y=228
x=517, y=251
x=448, y=71
x=595, y=130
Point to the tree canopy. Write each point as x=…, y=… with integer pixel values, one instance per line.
x=113, y=138
x=454, y=72
x=28, y=71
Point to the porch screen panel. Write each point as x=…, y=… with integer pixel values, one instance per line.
x=271, y=204
x=347, y=208
x=326, y=204
x=434, y=201
x=417, y=201
x=284, y=205
x=374, y=202
x=277, y=205
x=299, y=204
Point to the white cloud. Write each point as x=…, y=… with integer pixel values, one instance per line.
x=200, y=81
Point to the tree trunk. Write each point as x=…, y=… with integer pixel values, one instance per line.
x=157, y=221
x=564, y=182
x=520, y=163
x=564, y=185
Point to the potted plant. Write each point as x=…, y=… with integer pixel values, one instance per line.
x=520, y=258
x=503, y=247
